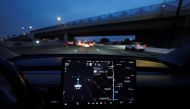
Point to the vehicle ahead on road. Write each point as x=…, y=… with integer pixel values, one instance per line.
x=137, y=46
x=70, y=43
x=86, y=44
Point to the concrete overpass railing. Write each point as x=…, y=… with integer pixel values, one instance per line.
x=166, y=9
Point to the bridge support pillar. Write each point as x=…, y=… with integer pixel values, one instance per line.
x=31, y=35
x=65, y=37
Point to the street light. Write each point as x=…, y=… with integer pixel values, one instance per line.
x=37, y=42
x=58, y=19
x=164, y=4
x=22, y=28
x=30, y=27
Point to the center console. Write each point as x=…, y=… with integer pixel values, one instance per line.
x=98, y=81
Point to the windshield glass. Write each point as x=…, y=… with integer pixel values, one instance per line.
x=141, y=28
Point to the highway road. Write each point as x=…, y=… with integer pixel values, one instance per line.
x=82, y=50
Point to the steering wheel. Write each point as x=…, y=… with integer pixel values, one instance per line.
x=22, y=90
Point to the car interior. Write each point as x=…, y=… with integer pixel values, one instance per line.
x=138, y=57
x=91, y=81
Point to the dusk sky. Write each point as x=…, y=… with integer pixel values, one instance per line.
x=41, y=13
x=111, y=38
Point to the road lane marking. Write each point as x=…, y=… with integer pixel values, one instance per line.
x=98, y=50
x=114, y=48
x=75, y=51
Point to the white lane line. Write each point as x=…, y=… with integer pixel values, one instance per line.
x=98, y=50
x=113, y=48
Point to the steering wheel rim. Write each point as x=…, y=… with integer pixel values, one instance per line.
x=17, y=83
x=11, y=73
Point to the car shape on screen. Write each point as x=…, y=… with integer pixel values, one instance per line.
x=138, y=46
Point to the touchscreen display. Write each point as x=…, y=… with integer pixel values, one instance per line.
x=99, y=82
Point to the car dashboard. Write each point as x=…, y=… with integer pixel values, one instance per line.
x=101, y=80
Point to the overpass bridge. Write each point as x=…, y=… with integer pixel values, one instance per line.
x=151, y=24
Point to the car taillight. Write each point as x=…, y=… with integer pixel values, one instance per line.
x=138, y=45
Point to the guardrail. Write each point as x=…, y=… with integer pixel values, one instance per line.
x=158, y=10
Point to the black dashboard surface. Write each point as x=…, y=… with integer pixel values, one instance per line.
x=155, y=87
x=83, y=80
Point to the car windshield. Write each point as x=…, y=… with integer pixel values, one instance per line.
x=156, y=27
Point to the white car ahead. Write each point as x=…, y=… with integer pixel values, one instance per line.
x=138, y=46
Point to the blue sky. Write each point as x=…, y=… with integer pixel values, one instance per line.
x=40, y=13
x=111, y=38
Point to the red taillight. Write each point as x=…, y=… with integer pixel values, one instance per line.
x=138, y=45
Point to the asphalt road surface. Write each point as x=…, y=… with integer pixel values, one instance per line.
x=82, y=50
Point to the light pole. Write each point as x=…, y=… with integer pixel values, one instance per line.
x=164, y=4
x=59, y=20
x=23, y=32
x=176, y=21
